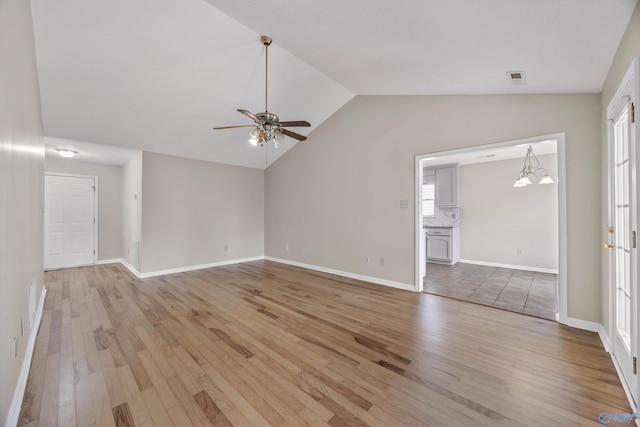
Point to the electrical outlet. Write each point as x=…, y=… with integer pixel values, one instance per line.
x=366, y=259
x=15, y=348
x=22, y=327
x=226, y=248
x=519, y=251
x=382, y=262
x=286, y=247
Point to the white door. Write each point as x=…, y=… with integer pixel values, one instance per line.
x=69, y=221
x=623, y=226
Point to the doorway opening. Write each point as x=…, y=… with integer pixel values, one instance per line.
x=491, y=243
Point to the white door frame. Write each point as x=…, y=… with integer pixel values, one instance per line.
x=632, y=73
x=95, y=206
x=420, y=256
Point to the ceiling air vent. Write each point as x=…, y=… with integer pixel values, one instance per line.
x=517, y=78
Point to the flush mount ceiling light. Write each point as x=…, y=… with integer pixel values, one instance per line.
x=532, y=170
x=66, y=153
x=268, y=127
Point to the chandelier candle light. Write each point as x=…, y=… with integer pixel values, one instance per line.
x=532, y=170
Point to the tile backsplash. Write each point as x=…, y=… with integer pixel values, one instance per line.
x=445, y=217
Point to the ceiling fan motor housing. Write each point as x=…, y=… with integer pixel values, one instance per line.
x=267, y=118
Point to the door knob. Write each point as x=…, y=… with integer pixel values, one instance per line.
x=608, y=246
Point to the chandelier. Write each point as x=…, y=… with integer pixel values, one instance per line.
x=532, y=169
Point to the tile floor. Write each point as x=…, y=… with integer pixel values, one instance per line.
x=515, y=290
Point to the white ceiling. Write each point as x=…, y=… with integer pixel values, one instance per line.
x=157, y=75
x=492, y=154
x=382, y=47
x=89, y=152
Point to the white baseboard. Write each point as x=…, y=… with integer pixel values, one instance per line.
x=584, y=324
x=130, y=268
x=604, y=337
x=375, y=280
x=121, y=261
x=198, y=267
x=511, y=266
x=140, y=275
x=625, y=386
x=108, y=261
x=18, y=395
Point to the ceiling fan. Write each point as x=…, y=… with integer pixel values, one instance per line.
x=268, y=126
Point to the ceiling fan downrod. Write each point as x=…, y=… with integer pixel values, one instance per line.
x=266, y=41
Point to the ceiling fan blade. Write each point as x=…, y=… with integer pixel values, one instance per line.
x=233, y=127
x=297, y=123
x=249, y=114
x=293, y=135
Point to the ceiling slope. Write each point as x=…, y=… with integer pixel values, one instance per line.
x=409, y=47
x=157, y=75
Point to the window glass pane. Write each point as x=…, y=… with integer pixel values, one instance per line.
x=429, y=196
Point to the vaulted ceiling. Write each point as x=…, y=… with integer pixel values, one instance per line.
x=157, y=75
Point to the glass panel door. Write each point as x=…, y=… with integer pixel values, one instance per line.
x=623, y=211
x=622, y=227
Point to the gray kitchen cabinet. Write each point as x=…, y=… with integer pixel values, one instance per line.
x=447, y=186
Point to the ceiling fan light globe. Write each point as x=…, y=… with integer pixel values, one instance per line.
x=253, y=142
x=254, y=132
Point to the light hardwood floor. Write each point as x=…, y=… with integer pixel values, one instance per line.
x=262, y=344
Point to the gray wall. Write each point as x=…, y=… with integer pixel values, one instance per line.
x=21, y=187
x=628, y=49
x=336, y=197
x=191, y=209
x=497, y=219
x=109, y=201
